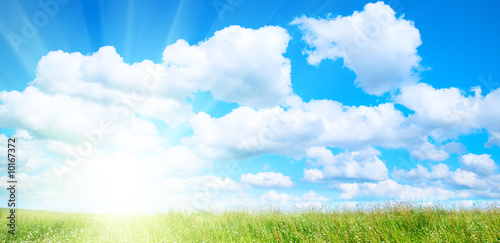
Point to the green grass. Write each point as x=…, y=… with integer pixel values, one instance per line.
x=390, y=224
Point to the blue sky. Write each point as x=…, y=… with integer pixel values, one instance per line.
x=234, y=103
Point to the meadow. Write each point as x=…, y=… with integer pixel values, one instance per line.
x=400, y=223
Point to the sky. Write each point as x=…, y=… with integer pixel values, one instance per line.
x=126, y=106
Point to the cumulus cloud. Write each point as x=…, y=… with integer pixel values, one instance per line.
x=279, y=198
x=379, y=47
x=267, y=179
x=437, y=172
x=362, y=164
x=447, y=107
x=467, y=179
x=391, y=189
x=312, y=196
x=74, y=121
x=429, y=151
x=103, y=78
x=447, y=112
x=246, y=131
x=481, y=164
x=239, y=65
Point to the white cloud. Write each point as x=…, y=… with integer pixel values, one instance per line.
x=447, y=112
x=380, y=48
x=467, y=178
x=447, y=107
x=438, y=172
x=279, y=198
x=312, y=196
x=313, y=175
x=267, y=179
x=480, y=164
x=464, y=181
x=239, y=65
x=74, y=121
x=429, y=151
x=362, y=164
x=52, y=116
x=245, y=131
x=391, y=189
x=103, y=78
x=361, y=126
x=490, y=115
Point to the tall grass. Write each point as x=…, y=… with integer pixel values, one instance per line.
x=389, y=224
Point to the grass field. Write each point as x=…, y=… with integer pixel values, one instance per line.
x=390, y=224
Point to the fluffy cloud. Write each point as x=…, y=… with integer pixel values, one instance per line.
x=437, y=172
x=490, y=115
x=447, y=112
x=245, y=131
x=74, y=121
x=380, y=48
x=239, y=65
x=103, y=78
x=48, y=116
x=280, y=198
x=357, y=127
x=391, y=189
x=429, y=151
x=446, y=107
x=362, y=164
x=312, y=196
x=267, y=179
x=467, y=178
x=481, y=164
